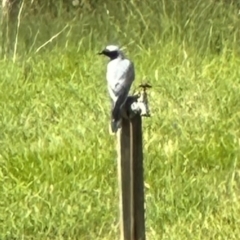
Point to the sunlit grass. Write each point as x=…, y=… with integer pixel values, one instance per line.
x=58, y=176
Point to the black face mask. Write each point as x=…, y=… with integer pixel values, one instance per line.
x=111, y=54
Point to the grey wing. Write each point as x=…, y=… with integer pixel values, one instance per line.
x=123, y=79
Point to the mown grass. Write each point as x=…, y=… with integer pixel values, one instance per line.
x=58, y=176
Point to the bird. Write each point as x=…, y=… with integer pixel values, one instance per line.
x=120, y=76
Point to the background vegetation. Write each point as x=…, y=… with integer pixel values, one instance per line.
x=58, y=176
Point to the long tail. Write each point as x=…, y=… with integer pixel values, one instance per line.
x=115, y=125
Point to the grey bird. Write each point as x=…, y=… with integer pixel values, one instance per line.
x=120, y=76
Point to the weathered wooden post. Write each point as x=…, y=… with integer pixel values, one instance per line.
x=130, y=167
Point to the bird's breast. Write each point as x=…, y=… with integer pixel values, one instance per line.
x=117, y=70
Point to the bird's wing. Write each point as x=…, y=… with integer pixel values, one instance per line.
x=120, y=76
x=119, y=84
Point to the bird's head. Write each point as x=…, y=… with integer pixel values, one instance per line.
x=111, y=51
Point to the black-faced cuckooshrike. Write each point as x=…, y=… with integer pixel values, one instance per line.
x=120, y=75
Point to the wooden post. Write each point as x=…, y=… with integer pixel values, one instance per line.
x=130, y=167
x=126, y=223
x=137, y=177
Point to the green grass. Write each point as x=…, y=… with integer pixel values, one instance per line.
x=58, y=171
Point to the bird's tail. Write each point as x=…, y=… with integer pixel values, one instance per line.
x=115, y=125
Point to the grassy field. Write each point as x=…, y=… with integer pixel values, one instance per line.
x=58, y=171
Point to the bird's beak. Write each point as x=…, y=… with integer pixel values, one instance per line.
x=100, y=53
x=103, y=52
